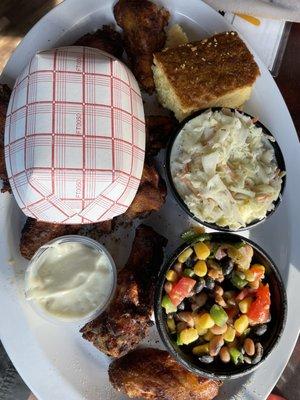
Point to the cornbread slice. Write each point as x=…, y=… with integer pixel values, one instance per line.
x=217, y=71
x=175, y=37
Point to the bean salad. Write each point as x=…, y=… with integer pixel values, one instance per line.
x=216, y=301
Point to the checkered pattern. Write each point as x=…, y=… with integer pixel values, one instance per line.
x=75, y=136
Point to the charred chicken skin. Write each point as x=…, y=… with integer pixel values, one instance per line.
x=106, y=39
x=153, y=374
x=159, y=128
x=151, y=195
x=37, y=233
x=143, y=26
x=120, y=329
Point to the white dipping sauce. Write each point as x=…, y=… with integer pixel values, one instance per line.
x=70, y=280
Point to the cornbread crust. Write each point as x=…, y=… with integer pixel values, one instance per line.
x=217, y=71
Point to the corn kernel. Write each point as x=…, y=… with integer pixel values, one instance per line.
x=258, y=270
x=229, y=335
x=241, y=324
x=200, y=268
x=202, y=250
x=204, y=321
x=188, y=335
x=208, y=336
x=171, y=275
x=249, y=275
x=259, y=267
x=202, y=349
x=171, y=325
x=185, y=255
x=203, y=332
x=244, y=305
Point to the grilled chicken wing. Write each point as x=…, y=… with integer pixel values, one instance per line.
x=125, y=324
x=153, y=374
x=37, y=233
x=143, y=26
x=151, y=195
x=106, y=39
x=4, y=99
x=158, y=131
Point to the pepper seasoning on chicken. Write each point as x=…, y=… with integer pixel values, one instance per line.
x=143, y=26
x=120, y=329
x=152, y=374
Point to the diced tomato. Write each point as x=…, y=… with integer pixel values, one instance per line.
x=181, y=290
x=257, y=271
x=259, y=311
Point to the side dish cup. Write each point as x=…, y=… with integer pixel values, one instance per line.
x=71, y=279
x=278, y=311
x=169, y=159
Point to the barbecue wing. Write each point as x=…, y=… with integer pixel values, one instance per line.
x=125, y=324
x=143, y=26
x=153, y=374
x=37, y=233
x=151, y=195
x=106, y=39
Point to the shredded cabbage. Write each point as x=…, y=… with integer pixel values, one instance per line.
x=225, y=169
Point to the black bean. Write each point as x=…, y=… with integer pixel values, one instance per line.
x=259, y=330
x=194, y=307
x=227, y=265
x=181, y=306
x=199, y=286
x=206, y=359
x=209, y=283
x=199, y=341
x=189, y=263
x=191, y=294
x=176, y=318
x=209, y=303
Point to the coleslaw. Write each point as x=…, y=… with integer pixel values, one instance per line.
x=224, y=168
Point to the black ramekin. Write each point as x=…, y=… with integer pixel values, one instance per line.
x=278, y=156
x=269, y=341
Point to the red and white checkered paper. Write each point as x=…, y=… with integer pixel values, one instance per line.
x=75, y=136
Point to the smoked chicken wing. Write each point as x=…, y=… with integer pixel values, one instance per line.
x=143, y=26
x=153, y=374
x=37, y=233
x=106, y=39
x=151, y=195
x=158, y=131
x=120, y=329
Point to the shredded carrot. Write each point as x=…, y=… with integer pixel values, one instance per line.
x=249, y=18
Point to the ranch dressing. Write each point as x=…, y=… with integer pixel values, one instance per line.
x=70, y=280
